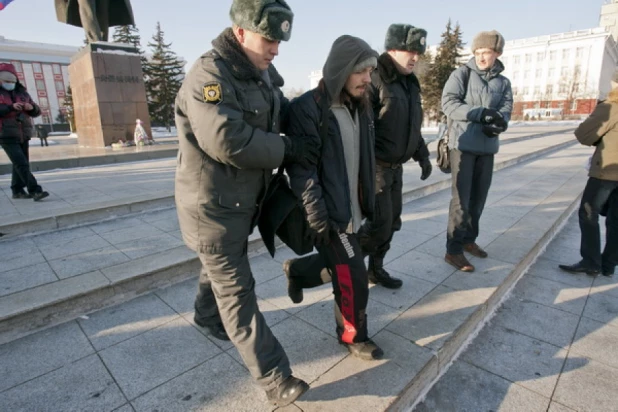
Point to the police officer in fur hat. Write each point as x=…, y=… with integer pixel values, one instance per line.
x=227, y=116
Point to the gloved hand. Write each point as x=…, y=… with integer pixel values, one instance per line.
x=426, y=168
x=491, y=130
x=500, y=122
x=489, y=116
x=302, y=150
x=322, y=232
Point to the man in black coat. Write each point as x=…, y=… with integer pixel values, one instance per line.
x=338, y=193
x=396, y=101
x=95, y=16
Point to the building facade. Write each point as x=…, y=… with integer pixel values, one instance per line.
x=43, y=69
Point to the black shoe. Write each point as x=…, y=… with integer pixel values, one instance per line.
x=287, y=392
x=366, y=350
x=579, y=268
x=217, y=330
x=39, y=196
x=294, y=291
x=382, y=277
x=22, y=195
x=608, y=272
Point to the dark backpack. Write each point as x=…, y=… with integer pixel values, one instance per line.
x=443, y=159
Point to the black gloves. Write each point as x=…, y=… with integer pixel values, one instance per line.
x=426, y=168
x=493, y=122
x=301, y=150
x=322, y=231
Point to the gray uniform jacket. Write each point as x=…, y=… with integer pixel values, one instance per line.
x=227, y=116
x=486, y=90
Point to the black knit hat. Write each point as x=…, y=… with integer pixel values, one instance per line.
x=270, y=18
x=405, y=37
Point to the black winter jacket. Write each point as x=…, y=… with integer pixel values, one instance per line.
x=16, y=126
x=324, y=189
x=396, y=100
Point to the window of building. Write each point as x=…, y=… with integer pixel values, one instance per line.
x=553, y=54
x=548, y=105
x=36, y=67
x=56, y=69
x=528, y=58
x=540, y=56
x=564, y=71
x=549, y=89
x=43, y=102
x=565, y=54
x=59, y=85
x=574, y=105
x=551, y=73
x=18, y=67
x=537, y=90
x=525, y=91
x=516, y=60
x=576, y=87
x=61, y=101
x=579, y=52
x=563, y=88
x=40, y=84
x=526, y=74
x=538, y=73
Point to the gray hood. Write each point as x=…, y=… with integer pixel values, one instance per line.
x=346, y=52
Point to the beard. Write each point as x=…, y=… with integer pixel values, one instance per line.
x=360, y=102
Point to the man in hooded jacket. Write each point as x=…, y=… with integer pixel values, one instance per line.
x=338, y=192
x=227, y=116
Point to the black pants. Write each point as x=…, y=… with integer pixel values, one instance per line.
x=470, y=185
x=598, y=195
x=226, y=295
x=342, y=259
x=375, y=236
x=21, y=177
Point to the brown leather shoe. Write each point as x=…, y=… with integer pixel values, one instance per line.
x=475, y=250
x=460, y=262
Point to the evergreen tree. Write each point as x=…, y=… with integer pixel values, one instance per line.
x=130, y=35
x=69, y=108
x=164, y=74
x=445, y=61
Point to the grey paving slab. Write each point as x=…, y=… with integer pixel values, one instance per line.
x=533, y=364
x=597, y=341
x=88, y=261
x=25, y=278
x=468, y=388
x=435, y=246
x=35, y=355
x=167, y=225
x=562, y=254
x=412, y=291
x=555, y=294
x=219, y=384
x=489, y=274
x=62, y=236
x=275, y=292
x=149, y=245
x=410, y=238
x=371, y=386
x=152, y=358
x=422, y=266
x=180, y=296
x=606, y=285
x=587, y=385
x=556, y=407
x=125, y=408
x=264, y=268
x=144, y=230
x=538, y=321
x=432, y=320
x=548, y=269
x=602, y=307
x=169, y=214
x=119, y=323
x=116, y=224
x=18, y=254
x=272, y=314
x=71, y=247
x=509, y=247
x=418, y=225
x=91, y=389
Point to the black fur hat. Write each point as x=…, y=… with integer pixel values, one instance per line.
x=405, y=37
x=270, y=18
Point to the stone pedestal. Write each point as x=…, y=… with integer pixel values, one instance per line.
x=108, y=94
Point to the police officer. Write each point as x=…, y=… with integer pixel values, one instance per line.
x=227, y=116
x=398, y=119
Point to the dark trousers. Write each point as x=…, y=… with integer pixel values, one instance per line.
x=342, y=259
x=599, y=195
x=226, y=294
x=375, y=235
x=21, y=177
x=470, y=185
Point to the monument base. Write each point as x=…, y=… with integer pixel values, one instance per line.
x=108, y=94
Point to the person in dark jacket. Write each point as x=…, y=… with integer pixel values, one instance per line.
x=16, y=110
x=396, y=101
x=41, y=133
x=479, y=114
x=227, y=117
x=600, y=196
x=338, y=193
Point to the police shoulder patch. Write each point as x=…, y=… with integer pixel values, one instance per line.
x=212, y=93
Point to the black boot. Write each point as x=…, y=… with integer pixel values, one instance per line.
x=217, y=330
x=379, y=276
x=295, y=292
x=366, y=350
x=287, y=392
x=579, y=268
